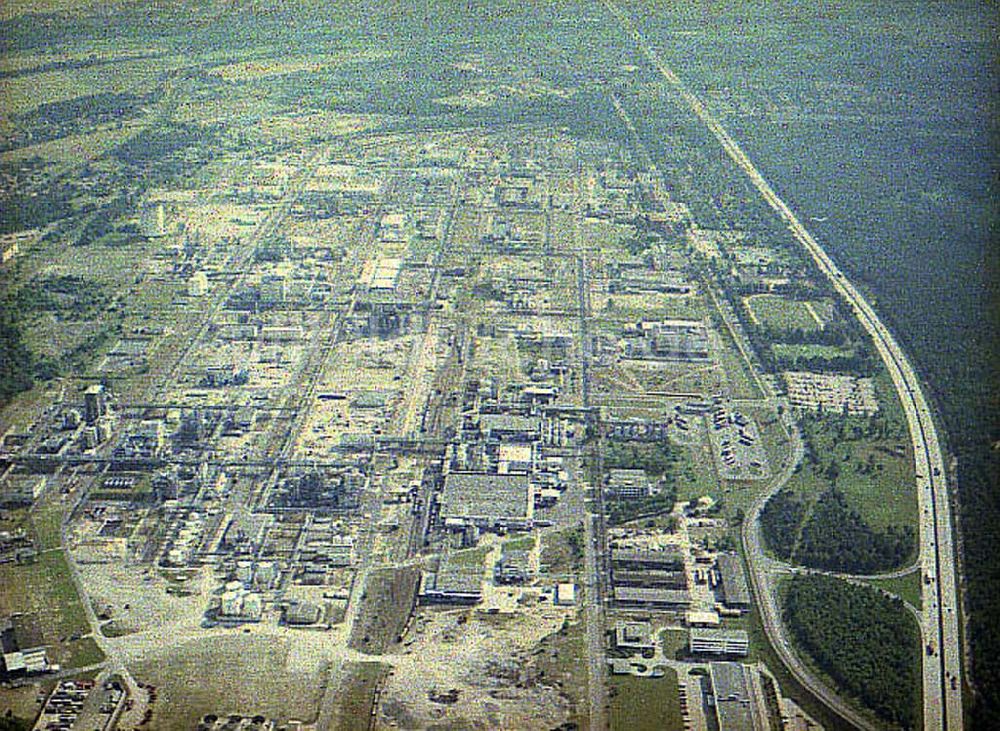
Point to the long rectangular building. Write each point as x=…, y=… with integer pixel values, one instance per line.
x=733, y=581
x=637, y=596
x=734, y=697
x=718, y=642
x=639, y=559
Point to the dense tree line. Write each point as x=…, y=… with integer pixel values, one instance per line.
x=68, y=295
x=862, y=639
x=656, y=458
x=621, y=510
x=780, y=520
x=837, y=538
x=658, y=461
x=35, y=209
x=858, y=362
x=16, y=361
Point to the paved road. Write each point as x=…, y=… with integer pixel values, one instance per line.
x=942, y=669
x=594, y=538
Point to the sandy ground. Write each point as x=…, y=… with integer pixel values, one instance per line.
x=483, y=658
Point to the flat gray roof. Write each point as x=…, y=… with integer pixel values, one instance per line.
x=732, y=697
x=708, y=633
x=509, y=423
x=457, y=577
x=670, y=556
x=476, y=495
x=734, y=582
x=644, y=595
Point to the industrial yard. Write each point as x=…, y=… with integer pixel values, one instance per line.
x=338, y=420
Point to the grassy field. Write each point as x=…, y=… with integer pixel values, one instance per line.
x=522, y=543
x=236, y=673
x=884, y=495
x=46, y=521
x=559, y=558
x=778, y=314
x=388, y=600
x=741, y=380
x=471, y=557
x=354, y=708
x=906, y=587
x=645, y=704
x=560, y=663
x=674, y=642
x=45, y=593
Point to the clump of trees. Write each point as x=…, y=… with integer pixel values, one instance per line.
x=655, y=458
x=837, y=538
x=16, y=361
x=780, y=521
x=658, y=461
x=834, y=537
x=862, y=639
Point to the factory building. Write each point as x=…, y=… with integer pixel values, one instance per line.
x=487, y=501
x=708, y=641
x=454, y=582
x=733, y=589
x=94, y=404
x=736, y=706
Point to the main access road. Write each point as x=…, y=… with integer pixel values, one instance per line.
x=942, y=671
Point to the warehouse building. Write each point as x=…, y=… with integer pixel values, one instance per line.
x=455, y=582
x=510, y=427
x=733, y=589
x=487, y=501
x=734, y=699
x=629, y=484
x=640, y=560
x=648, y=598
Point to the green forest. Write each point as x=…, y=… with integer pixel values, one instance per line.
x=834, y=537
x=865, y=641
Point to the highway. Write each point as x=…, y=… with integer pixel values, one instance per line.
x=942, y=679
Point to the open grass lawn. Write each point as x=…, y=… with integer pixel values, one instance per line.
x=738, y=371
x=470, y=557
x=83, y=653
x=645, y=704
x=45, y=590
x=522, y=543
x=47, y=523
x=884, y=495
x=559, y=558
x=875, y=475
x=674, y=643
x=906, y=587
x=651, y=306
x=45, y=593
x=781, y=315
x=234, y=674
